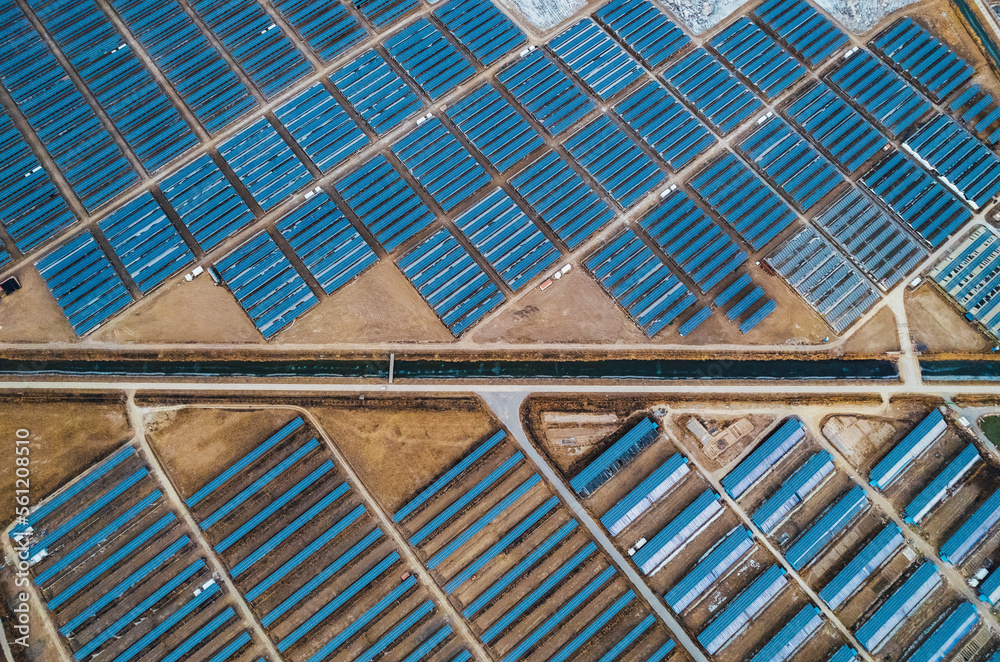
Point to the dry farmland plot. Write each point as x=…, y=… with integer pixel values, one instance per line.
x=326, y=582
x=520, y=568
x=122, y=575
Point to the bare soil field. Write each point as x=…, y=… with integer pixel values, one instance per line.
x=867, y=439
x=937, y=325
x=398, y=446
x=575, y=309
x=876, y=336
x=32, y=314
x=67, y=436
x=195, y=312
x=195, y=443
x=379, y=306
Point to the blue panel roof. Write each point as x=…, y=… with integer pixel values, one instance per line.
x=482, y=28
x=327, y=27
x=326, y=242
x=596, y=58
x=321, y=127
x=146, y=241
x=376, y=91
x=266, y=285
x=429, y=58
x=265, y=163
x=494, y=127
x=84, y=283
x=545, y=92
x=644, y=29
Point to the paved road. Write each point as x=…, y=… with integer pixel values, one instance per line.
x=506, y=406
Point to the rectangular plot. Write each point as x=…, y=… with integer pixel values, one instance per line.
x=440, y=163
x=494, y=127
x=805, y=31
x=59, y=115
x=429, y=58
x=206, y=202
x=252, y=38
x=742, y=200
x=644, y=29
x=882, y=248
x=124, y=88
x=382, y=13
x=267, y=286
x=321, y=126
x=928, y=62
x=450, y=281
x=640, y=282
x=327, y=27
x=31, y=208
x=146, y=242
x=669, y=128
x=482, y=28
x=595, y=57
x=388, y=207
x=561, y=198
x=824, y=278
x=192, y=65
x=958, y=157
x=919, y=199
x=376, y=91
x=839, y=129
x=755, y=55
x=879, y=91
x=713, y=90
x=508, y=239
x=264, y=163
x=617, y=163
x=789, y=162
x=548, y=94
x=84, y=283
x=326, y=242
x=693, y=240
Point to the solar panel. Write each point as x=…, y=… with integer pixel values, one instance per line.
x=644, y=29
x=327, y=27
x=265, y=163
x=665, y=125
x=326, y=242
x=805, y=31
x=713, y=90
x=378, y=94
x=879, y=91
x=757, y=57
x=494, y=127
x=321, y=127
x=545, y=92
x=595, y=57
x=429, y=58
x=924, y=59
x=482, y=28
x=83, y=282
x=268, y=288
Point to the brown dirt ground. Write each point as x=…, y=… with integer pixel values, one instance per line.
x=66, y=438
x=877, y=336
x=195, y=312
x=398, y=448
x=937, y=324
x=40, y=648
x=32, y=315
x=195, y=444
x=380, y=306
x=576, y=310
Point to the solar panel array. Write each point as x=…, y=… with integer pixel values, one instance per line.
x=790, y=163
x=614, y=161
x=958, y=156
x=224, y=59
x=743, y=200
x=879, y=91
x=805, y=31
x=839, y=129
x=509, y=241
x=665, y=125
x=928, y=62
x=713, y=90
x=926, y=205
x=643, y=29
x=824, y=278
x=757, y=57
x=562, y=199
x=450, y=281
x=270, y=290
x=640, y=282
x=596, y=58
x=697, y=244
x=970, y=274
x=82, y=280
x=871, y=237
x=326, y=242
